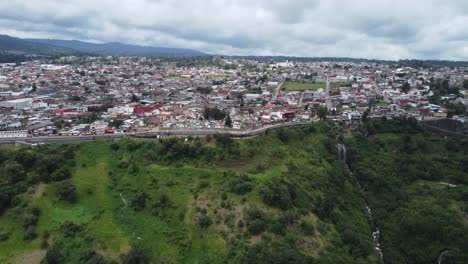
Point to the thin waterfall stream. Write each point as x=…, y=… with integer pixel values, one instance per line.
x=342, y=155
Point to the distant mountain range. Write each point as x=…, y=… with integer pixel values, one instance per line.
x=54, y=47
x=17, y=45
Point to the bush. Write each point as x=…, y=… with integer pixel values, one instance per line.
x=204, y=221
x=135, y=256
x=139, y=202
x=5, y=200
x=308, y=228
x=264, y=253
x=240, y=224
x=114, y=146
x=66, y=191
x=278, y=228
x=134, y=169
x=29, y=220
x=278, y=193
x=122, y=165
x=94, y=258
x=53, y=256
x=30, y=233
x=4, y=235
x=60, y=174
x=70, y=229
x=240, y=185
x=214, y=113
x=256, y=226
x=181, y=216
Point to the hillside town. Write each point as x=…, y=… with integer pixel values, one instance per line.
x=76, y=96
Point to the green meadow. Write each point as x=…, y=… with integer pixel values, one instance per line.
x=299, y=86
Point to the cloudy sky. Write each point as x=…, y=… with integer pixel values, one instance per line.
x=384, y=29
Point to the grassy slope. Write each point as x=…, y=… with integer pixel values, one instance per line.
x=190, y=186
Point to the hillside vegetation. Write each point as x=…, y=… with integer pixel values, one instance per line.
x=279, y=198
x=416, y=184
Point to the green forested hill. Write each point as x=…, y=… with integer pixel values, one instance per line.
x=279, y=198
x=416, y=184
x=12, y=44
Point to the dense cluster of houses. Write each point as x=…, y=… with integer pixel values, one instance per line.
x=96, y=95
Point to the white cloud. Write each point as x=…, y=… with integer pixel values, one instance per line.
x=387, y=29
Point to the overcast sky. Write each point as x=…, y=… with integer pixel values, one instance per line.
x=384, y=29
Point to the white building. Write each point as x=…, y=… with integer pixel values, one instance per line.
x=18, y=103
x=121, y=110
x=250, y=97
x=14, y=134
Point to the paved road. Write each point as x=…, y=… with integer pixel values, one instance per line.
x=164, y=133
x=327, y=95
x=278, y=89
x=153, y=134
x=300, y=104
x=377, y=89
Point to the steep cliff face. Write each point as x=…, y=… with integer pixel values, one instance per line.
x=416, y=185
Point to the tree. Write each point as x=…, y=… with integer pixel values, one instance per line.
x=455, y=109
x=322, y=112
x=278, y=192
x=240, y=185
x=75, y=98
x=30, y=233
x=214, y=113
x=139, y=203
x=228, y=121
x=406, y=87
x=135, y=99
x=67, y=191
x=263, y=253
x=365, y=115
x=204, y=221
x=435, y=99
x=256, y=227
x=465, y=84
x=60, y=174
x=117, y=123
x=12, y=172
x=53, y=256
x=135, y=256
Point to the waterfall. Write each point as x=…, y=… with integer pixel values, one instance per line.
x=342, y=156
x=441, y=257
x=342, y=153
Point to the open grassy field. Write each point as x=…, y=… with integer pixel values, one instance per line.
x=178, y=78
x=340, y=84
x=298, y=86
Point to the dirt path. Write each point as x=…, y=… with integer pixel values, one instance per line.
x=33, y=257
x=40, y=189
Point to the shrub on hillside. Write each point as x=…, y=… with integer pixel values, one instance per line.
x=278, y=193
x=135, y=256
x=240, y=185
x=66, y=191
x=204, y=221
x=30, y=233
